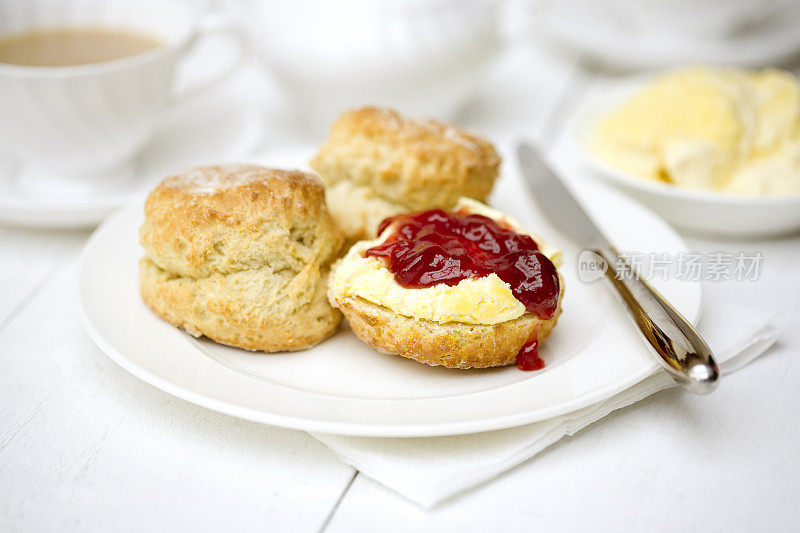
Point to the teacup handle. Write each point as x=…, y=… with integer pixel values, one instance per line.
x=215, y=24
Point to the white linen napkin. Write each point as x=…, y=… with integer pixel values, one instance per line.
x=429, y=470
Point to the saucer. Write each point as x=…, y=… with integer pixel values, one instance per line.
x=224, y=124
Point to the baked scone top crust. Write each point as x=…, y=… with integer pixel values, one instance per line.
x=235, y=217
x=414, y=163
x=240, y=253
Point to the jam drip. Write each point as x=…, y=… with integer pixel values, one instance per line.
x=528, y=356
x=433, y=247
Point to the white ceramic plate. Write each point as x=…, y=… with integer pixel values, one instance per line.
x=344, y=387
x=709, y=212
x=231, y=112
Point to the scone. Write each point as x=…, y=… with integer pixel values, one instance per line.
x=462, y=289
x=241, y=254
x=377, y=164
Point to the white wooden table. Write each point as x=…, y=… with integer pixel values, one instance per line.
x=86, y=446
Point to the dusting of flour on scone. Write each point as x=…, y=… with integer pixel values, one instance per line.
x=241, y=254
x=377, y=163
x=433, y=314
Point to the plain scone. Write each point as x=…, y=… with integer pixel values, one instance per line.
x=377, y=163
x=241, y=254
x=453, y=344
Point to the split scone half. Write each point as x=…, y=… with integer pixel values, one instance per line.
x=425, y=300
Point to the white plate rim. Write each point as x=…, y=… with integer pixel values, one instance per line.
x=336, y=428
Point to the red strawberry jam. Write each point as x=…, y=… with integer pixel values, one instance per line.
x=528, y=356
x=434, y=247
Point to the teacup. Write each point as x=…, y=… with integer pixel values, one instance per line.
x=83, y=122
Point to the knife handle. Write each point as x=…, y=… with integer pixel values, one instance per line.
x=681, y=350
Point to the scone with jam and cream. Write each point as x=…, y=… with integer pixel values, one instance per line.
x=468, y=288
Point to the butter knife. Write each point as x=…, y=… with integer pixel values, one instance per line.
x=676, y=344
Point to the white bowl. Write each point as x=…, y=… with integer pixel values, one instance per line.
x=709, y=212
x=423, y=57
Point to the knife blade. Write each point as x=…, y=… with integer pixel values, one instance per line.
x=561, y=206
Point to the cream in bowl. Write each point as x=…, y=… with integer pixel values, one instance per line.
x=712, y=151
x=722, y=130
